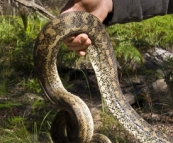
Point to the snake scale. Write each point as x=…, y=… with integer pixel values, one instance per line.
x=74, y=123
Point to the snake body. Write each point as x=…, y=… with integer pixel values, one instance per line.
x=104, y=64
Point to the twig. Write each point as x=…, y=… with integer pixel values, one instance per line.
x=36, y=7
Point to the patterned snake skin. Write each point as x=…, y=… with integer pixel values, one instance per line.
x=74, y=123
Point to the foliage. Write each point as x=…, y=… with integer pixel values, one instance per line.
x=4, y=86
x=157, y=31
x=66, y=58
x=17, y=37
x=130, y=40
x=18, y=132
x=18, y=40
x=113, y=129
x=9, y=104
x=31, y=84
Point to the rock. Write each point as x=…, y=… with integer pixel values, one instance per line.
x=130, y=98
x=30, y=98
x=160, y=87
x=157, y=57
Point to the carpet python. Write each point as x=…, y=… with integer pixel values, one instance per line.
x=74, y=123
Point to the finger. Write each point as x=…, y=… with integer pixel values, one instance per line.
x=77, y=48
x=81, y=52
x=84, y=39
x=81, y=46
x=81, y=40
x=76, y=40
x=69, y=39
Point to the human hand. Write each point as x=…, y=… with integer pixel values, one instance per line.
x=99, y=8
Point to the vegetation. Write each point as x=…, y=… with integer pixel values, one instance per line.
x=25, y=116
x=131, y=40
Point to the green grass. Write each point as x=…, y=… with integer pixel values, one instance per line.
x=113, y=130
x=130, y=40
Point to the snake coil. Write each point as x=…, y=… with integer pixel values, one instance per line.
x=74, y=123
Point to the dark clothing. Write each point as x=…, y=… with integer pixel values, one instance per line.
x=136, y=10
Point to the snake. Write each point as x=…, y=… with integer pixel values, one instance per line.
x=74, y=123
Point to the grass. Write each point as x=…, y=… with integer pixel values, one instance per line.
x=111, y=128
